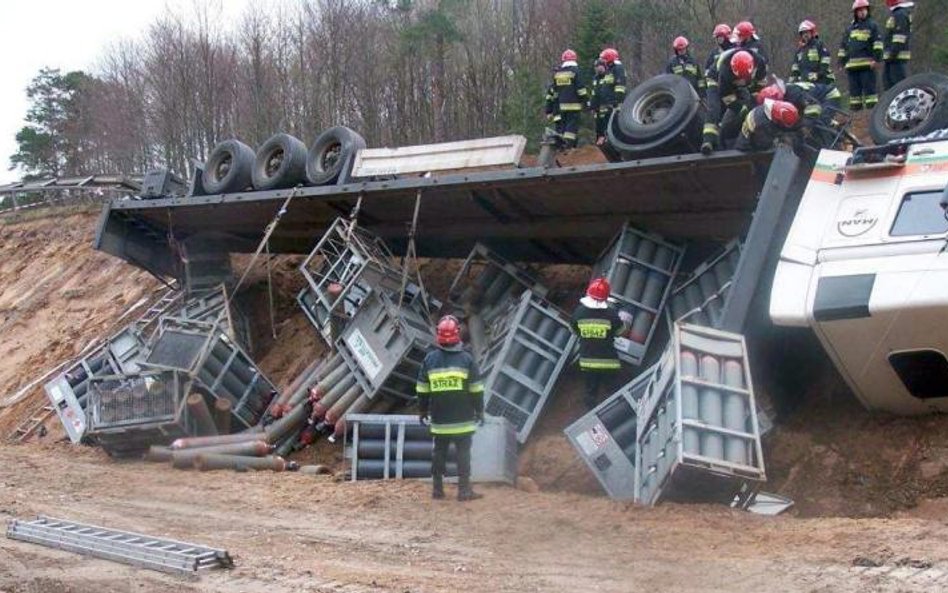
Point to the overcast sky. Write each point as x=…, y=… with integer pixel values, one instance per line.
x=70, y=35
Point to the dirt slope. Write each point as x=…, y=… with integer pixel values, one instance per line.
x=56, y=294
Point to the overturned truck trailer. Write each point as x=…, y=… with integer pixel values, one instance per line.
x=533, y=214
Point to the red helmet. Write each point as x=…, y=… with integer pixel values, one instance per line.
x=784, y=114
x=598, y=289
x=680, y=43
x=770, y=92
x=722, y=30
x=860, y=4
x=609, y=55
x=569, y=56
x=742, y=65
x=807, y=26
x=745, y=30
x=449, y=330
x=893, y=3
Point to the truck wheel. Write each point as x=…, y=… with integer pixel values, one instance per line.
x=280, y=163
x=916, y=106
x=229, y=168
x=684, y=139
x=329, y=154
x=658, y=109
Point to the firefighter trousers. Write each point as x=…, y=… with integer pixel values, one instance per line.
x=602, y=121
x=595, y=382
x=439, y=461
x=862, y=89
x=893, y=73
x=567, y=126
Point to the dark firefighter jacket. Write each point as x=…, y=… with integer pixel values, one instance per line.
x=861, y=45
x=732, y=92
x=596, y=329
x=898, y=33
x=809, y=98
x=449, y=388
x=759, y=131
x=608, y=90
x=812, y=63
x=686, y=66
x=567, y=92
x=710, y=69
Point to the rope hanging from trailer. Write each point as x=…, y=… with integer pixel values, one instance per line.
x=411, y=257
x=264, y=244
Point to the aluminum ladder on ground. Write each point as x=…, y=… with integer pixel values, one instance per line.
x=137, y=549
x=28, y=426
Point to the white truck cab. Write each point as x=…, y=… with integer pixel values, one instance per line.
x=865, y=265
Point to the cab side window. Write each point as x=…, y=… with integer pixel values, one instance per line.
x=920, y=214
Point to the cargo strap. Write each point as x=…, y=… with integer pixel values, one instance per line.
x=411, y=256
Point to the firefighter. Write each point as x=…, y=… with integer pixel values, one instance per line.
x=748, y=39
x=451, y=399
x=684, y=65
x=860, y=53
x=608, y=90
x=765, y=123
x=722, y=40
x=816, y=103
x=597, y=324
x=739, y=73
x=812, y=62
x=895, y=49
x=565, y=99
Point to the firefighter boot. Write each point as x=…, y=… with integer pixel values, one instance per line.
x=437, y=487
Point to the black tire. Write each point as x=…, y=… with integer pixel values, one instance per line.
x=280, y=163
x=657, y=109
x=228, y=169
x=684, y=139
x=916, y=106
x=329, y=154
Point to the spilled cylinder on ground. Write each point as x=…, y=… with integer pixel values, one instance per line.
x=711, y=408
x=282, y=428
x=210, y=461
x=222, y=413
x=332, y=396
x=203, y=420
x=192, y=442
x=157, y=453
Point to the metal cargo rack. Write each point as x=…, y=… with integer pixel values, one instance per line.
x=129, y=413
x=384, y=346
x=699, y=439
x=528, y=347
x=355, y=261
x=606, y=437
x=640, y=268
x=702, y=298
x=212, y=358
x=486, y=278
x=383, y=447
x=68, y=392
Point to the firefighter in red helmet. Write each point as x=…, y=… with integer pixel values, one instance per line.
x=722, y=43
x=896, y=52
x=608, y=90
x=739, y=73
x=860, y=53
x=684, y=65
x=566, y=97
x=812, y=62
x=451, y=400
x=597, y=324
x=768, y=122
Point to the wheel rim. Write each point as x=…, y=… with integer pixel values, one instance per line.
x=222, y=168
x=330, y=156
x=274, y=162
x=653, y=107
x=909, y=109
